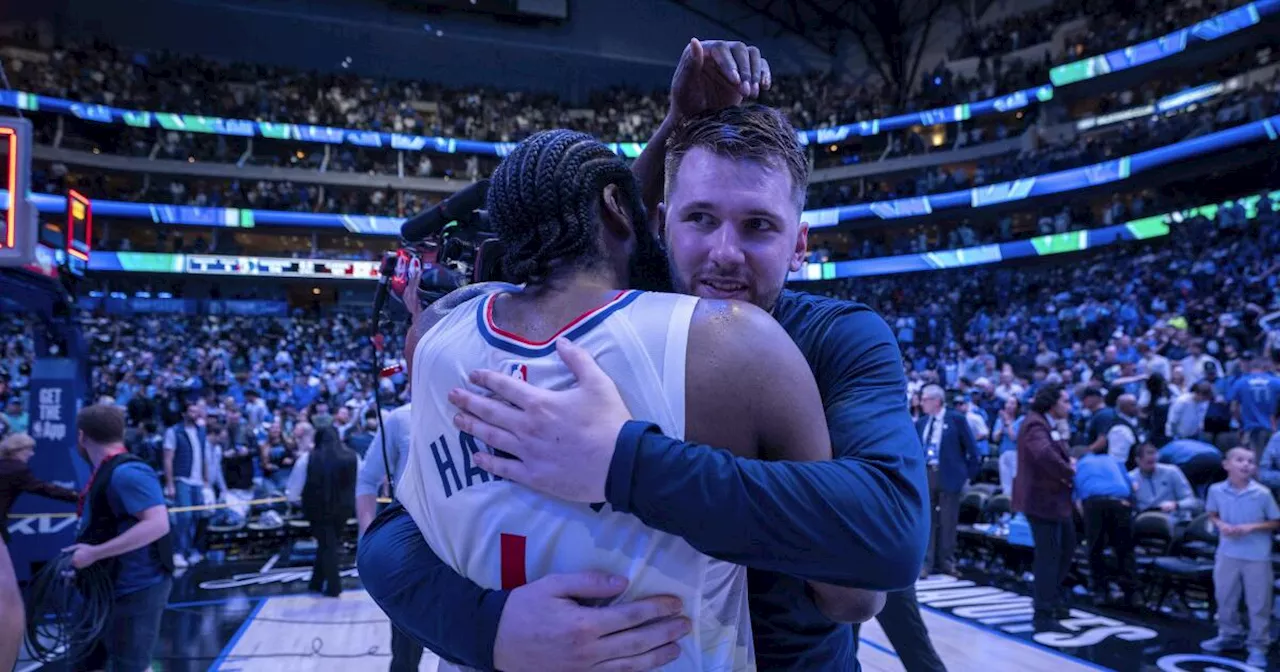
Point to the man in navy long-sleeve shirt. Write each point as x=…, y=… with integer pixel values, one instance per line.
x=857, y=521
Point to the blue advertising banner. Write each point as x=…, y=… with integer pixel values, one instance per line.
x=48, y=526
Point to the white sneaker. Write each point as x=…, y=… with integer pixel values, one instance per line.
x=179, y=561
x=195, y=558
x=1257, y=658
x=1220, y=644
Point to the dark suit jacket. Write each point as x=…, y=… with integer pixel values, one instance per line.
x=16, y=478
x=1042, y=487
x=958, y=458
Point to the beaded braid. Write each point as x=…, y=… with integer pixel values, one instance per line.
x=543, y=202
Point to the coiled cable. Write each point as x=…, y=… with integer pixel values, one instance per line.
x=67, y=609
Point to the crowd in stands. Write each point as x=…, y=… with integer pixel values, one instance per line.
x=168, y=82
x=1135, y=135
x=1110, y=25
x=1226, y=110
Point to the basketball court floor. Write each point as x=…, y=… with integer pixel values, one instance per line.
x=250, y=617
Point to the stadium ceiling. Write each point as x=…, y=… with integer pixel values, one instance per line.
x=825, y=23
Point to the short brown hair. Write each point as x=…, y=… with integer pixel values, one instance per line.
x=101, y=424
x=746, y=133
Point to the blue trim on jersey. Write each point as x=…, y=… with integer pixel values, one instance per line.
x=573, y=334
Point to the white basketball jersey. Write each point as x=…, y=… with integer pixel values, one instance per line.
x=502, y=535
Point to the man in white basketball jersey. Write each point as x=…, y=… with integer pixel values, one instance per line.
x=569, y=214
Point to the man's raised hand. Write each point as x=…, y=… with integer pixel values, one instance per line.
x=716, y=74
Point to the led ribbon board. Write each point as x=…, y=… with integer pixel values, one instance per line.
x=1146, y=228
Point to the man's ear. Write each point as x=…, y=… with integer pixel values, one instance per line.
x=661, y=220
x=802, y=247
x=617, y=219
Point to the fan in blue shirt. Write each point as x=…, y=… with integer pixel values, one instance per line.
x=1255, y=402
x=1100, y=475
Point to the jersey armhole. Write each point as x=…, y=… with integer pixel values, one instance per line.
x=675, y=359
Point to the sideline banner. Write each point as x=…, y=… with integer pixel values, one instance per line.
x=56, y=391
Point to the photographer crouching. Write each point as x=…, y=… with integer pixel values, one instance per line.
x=124, y=525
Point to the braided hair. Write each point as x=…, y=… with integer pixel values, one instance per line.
x=544, y=203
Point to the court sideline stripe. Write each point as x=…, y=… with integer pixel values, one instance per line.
x=210, y=603
x=1026, y=642
x=878, y=647
x=244, y=627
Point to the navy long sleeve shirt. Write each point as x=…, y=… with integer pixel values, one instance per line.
x=859, y=520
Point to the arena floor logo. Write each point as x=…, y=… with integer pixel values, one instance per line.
x=1199, y=662
x=1013, y=613
x=277, y=576
x=1098, y=638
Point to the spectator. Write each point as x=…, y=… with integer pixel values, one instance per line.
x=1155, y=402
x=952, y=458
x=16, y=477
x=361, y=437
x=1098, y=417
x=1269, y=466
x=1162, y=487
x=1104, y=497
x=1042, y=491
x=186, y=474
x=1005, y=437
x=1246, y=515
x=277, y=455
x=1124, y=433
x=324, y=483
x=1255, y=404
x=17, y=420
x=977, y=423
x=1186, y=415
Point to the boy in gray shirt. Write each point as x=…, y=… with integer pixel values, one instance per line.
x=1246, y=516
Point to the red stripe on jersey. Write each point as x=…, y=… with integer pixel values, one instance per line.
x=513, y=555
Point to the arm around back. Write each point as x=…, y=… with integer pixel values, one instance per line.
x=857, y=520
x=750, y=389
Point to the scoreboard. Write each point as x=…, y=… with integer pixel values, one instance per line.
x=18, y=227
x=79, y=232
